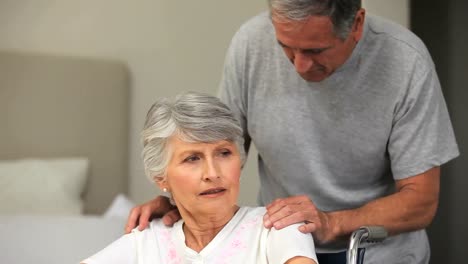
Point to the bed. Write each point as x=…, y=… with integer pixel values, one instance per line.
x=63, y=156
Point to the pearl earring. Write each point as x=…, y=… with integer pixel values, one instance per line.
x=164, y=189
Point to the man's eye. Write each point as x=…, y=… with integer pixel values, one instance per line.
x=192, y=158
x=313, y=51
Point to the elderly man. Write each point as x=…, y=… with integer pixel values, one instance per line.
x=350, y=124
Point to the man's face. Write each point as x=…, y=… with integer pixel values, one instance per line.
x=312, y=46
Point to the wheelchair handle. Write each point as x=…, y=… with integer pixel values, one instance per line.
x=370, y=234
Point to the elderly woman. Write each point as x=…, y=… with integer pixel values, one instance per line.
x=192, y=149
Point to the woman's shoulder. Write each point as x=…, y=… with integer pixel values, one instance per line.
x=251, y=212
x=156, y=226
x=249, y=218
x=156, y=238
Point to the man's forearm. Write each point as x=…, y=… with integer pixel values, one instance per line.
x=412, y=207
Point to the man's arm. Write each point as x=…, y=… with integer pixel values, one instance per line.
x=411, y=207
x=158, y=207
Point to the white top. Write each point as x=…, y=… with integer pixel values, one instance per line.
x=242, y=240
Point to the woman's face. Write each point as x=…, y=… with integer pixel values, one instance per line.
x=203, y=177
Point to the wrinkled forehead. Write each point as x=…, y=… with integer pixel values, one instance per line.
x=314, y=31
x=318, y=22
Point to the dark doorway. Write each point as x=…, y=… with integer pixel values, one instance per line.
x=443, y=26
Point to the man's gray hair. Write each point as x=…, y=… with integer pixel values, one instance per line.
x=341, y=12
x=191, y=116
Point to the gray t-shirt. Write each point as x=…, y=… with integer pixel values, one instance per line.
x=345, y=140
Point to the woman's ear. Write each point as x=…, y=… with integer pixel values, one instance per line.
x=162, y=184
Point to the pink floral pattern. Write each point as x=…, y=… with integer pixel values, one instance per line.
x=172, y=255
x=237, y=243
x=234, y=246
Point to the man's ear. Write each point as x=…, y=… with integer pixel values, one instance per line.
x=358, y=26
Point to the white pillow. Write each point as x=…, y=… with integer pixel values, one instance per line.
x=119, y=208
x=42, y=186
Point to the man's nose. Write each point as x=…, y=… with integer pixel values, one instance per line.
x=302, y=62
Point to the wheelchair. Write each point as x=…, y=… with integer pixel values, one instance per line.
x=365, y=234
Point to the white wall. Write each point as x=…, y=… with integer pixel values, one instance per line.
x=170, y=46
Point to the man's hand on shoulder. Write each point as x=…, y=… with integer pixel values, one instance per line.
x=159, y=207
x=300, y=209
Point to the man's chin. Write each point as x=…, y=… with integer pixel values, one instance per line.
x=314, y=77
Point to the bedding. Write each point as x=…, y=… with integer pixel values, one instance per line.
x=120, y=207
x=66, y=106
x=72, y=115
x=42, y=186
x=55, y=239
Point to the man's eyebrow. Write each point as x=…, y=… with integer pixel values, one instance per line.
x=314, y=50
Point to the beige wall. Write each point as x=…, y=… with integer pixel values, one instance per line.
x=169, y=47
x=396, y=10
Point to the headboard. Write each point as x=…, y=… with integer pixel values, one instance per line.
x=58, y=106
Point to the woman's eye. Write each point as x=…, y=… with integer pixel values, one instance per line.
x=225, y=153
x=192, y=158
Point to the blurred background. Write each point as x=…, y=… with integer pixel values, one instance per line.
x=173, y=46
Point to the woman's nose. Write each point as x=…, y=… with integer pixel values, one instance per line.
x=302, y=62
x=211, y=170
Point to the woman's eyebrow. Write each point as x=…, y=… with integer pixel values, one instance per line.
x=188, y=152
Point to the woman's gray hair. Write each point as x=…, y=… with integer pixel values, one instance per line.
x=193, y=117
x=341, y=12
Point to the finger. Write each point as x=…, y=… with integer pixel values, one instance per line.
x=144, y=217
x=298, y=216
x=278, y=204
x=147, y=210
x=299, y=212
x=266, y=221
x=171, y=217
x=308, y=227
x=132, y=219
x=156, y=207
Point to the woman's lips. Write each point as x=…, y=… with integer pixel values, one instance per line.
x=213, y=191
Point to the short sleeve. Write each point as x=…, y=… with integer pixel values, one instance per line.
x=121, y=251
x=287, y=243
x=232, y=90
x=422, y=136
